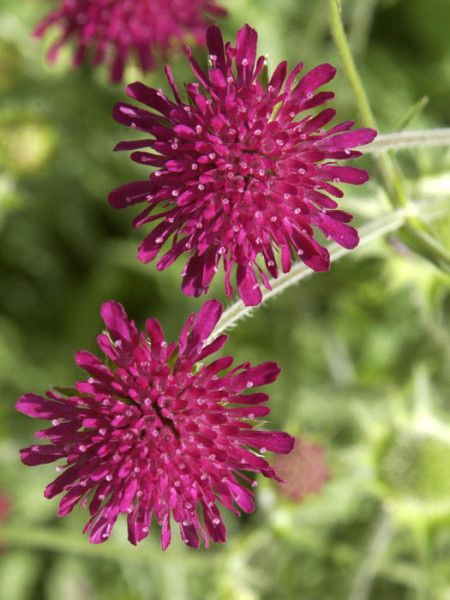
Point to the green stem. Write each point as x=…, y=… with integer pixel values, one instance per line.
x=424, y=588
x=392, y=180
x=417, y=233
x=409, y=139
x=373, y=557
x=367, y=233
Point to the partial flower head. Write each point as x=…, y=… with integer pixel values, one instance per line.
x=156, y=431
x=242, y=172
x=304, y=470
x=109, y=30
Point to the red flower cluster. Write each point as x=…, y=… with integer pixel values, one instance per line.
x=156, y=432
x=241, y=171
x=111, y=29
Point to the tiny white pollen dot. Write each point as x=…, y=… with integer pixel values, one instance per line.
x=216, y=521
x=263, y=450
x=194, y=166
x=201, y=187
x=175, y=193
x=249, y=384
x=159, y=240
x=273, y=219
x=258, y=132
x=297, y=211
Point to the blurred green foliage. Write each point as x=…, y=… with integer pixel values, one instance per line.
x=364, y=349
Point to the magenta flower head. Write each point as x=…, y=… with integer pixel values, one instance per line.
x=242, y=171
x=156, y=431
x=110, y=29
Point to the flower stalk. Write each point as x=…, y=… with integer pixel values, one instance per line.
x=416, y=233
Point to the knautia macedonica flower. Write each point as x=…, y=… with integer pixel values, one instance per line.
x=110, y=29
x=304, y=470
x=242, y=171
x=157, y=432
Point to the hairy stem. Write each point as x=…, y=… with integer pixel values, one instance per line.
x=367, y=233
x=409, y=139
x=416, y=232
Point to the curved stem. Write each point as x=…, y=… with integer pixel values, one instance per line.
x=409, y=139
x=372, y=231
x=391, y=178
x=417, y=235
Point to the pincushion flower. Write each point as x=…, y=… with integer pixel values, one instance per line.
x=305, y=470
x=242, y=172
x=157, y=432
x=110, y=29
